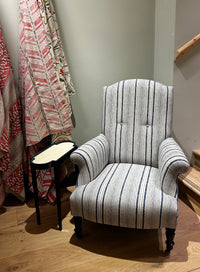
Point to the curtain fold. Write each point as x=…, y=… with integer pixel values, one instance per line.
x=45, y=83
x=12, y=150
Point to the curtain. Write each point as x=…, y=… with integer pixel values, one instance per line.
x=45, y=82
x=11, y=138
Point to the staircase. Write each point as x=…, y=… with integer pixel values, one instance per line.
x=189, y=184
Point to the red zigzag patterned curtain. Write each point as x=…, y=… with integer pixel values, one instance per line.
x=45, y=80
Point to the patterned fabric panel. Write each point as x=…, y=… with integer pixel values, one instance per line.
x=136, y=202
x=53, y=37
x=137, y=116
x=172, y=162
x=91, y=158
x=46, y=109
x=12, y=147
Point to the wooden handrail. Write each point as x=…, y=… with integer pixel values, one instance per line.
x=187, y=46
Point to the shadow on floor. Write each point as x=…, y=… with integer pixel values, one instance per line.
x=124, y=243
x=141, y=245
x=48, y=215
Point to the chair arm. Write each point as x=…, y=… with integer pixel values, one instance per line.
x=91, y=158
x=171, y=162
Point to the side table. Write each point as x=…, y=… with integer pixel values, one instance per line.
x=52, y=156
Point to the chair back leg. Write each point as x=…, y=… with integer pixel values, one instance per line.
x=170, y=233
x=78, y=226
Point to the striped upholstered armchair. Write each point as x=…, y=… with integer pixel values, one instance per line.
x=128, y=174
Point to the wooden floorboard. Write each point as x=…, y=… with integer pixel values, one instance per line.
x=27, y=247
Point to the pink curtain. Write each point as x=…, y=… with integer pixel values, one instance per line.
x=11, y=138
x=45, y=82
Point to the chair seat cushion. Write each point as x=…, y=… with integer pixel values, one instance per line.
x=127, y=195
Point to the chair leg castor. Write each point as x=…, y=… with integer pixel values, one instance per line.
x=78, y=226
x=170, y=233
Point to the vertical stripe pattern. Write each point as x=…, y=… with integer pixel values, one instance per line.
x=127, y=195
x=137, y=119
x=172, y=162
x=91, y=158
x=128, y=175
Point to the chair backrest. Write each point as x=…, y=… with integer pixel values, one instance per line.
x=137, y=117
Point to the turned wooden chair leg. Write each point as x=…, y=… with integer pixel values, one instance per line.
x=170, y=233
x=78, y=226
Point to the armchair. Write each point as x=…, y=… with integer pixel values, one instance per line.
x=128, y=173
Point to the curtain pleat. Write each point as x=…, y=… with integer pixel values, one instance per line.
x=12, y=150
x=45, y=83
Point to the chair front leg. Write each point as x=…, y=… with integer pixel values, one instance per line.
x=170, y=233
x=78, y=226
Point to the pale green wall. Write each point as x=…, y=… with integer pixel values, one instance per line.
x=105, y=41
x=165, y=13
x=187, y=77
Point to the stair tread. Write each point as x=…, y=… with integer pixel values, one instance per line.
x=196, y=152
x=191, y=179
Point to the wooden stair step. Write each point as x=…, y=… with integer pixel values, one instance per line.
x=196, y=159
x=189, y=188
x=196, y=152
x=191, y=179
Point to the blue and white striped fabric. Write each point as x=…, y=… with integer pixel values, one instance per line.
x=91, y=158
x=127, y=195
x=128, y=173
x=172, y=162
x=137, y=117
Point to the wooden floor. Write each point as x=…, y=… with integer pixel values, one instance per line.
x=26, y=247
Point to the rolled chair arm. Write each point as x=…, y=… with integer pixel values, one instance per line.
x=171, y=162
x=91, y=158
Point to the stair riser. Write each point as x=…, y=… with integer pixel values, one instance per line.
x=196, y=159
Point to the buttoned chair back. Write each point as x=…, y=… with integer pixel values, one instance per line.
x=137, y=117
